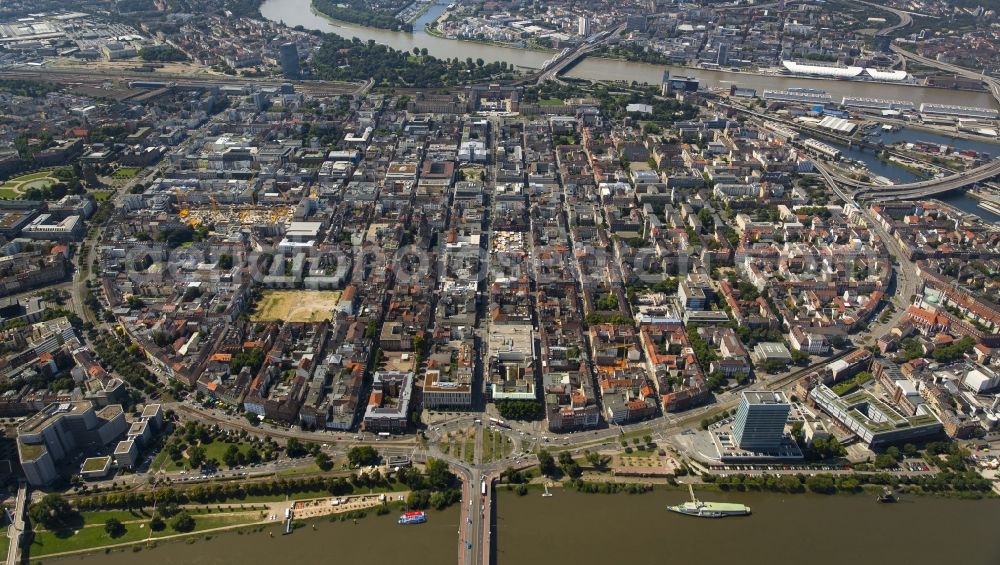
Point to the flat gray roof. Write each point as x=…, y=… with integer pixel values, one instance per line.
x=765, y=397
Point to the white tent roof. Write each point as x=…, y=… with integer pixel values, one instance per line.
x=822, y=70
x=886, y=75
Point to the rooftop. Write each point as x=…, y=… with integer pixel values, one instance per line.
x=765, y=397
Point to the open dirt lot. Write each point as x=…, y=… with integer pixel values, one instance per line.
x=297, y=305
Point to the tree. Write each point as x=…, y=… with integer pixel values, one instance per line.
x=252, y=358
x=885, y=461
x=191, y=293
x=546, y=463
x=521, y=409
x=821, y=485
x=362, y=456
x=157, y=524
x=825, y=448
x=53, y=512
x=418, y=499
x=196, y=456
x=596, y=461
x=232, y=456
x=438, y=474
x=114, y=527
x=182, y=522
x=323, y=461
x=799, y=357
x=294, y=448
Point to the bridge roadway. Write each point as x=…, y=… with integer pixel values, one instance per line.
x=926, y=188
x=992, y=83
x=904, y=18
x=554, y=68
x=15, y=531
x=906, y=191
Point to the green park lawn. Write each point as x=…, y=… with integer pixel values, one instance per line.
x=92, y=534
x=215, y=450
x=14, y=187
x=46, y=542
x=126, y=173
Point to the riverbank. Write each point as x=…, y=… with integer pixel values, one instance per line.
x=431, y=29
x=420, y=13
x=91, y=537
x=603, y=55
x=315, y=540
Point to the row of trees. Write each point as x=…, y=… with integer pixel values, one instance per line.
x=162, y=54
x=343, y=59
x=528, y=410
x=608, y=488
x=358, y=12
x=124, y=361
x=434, y=487
x=29, y=88
x=966, y=482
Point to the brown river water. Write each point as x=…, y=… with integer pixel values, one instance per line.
x=597, y=529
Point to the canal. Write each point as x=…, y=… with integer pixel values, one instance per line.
x=571, y=527
x=299, y=12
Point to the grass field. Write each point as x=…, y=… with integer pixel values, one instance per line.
x=126, y=173
x=214, y=450
x=33, y=176
x=296, y=305
x=13, y=188
x=92, y=534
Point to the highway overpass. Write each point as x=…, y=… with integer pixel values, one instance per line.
x=926, y=188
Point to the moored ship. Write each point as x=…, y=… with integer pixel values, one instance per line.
x=710, y=509
x=413, y=518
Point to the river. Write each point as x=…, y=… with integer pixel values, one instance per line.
x=594, y=529
x=299, y=12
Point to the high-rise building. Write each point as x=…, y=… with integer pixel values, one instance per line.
x=62, y=431
x=289, y=56
x=760, y=420
x=636, y=23
x=723, y=59
x=583, y=26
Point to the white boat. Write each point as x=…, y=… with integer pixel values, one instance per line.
x=710, y=509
